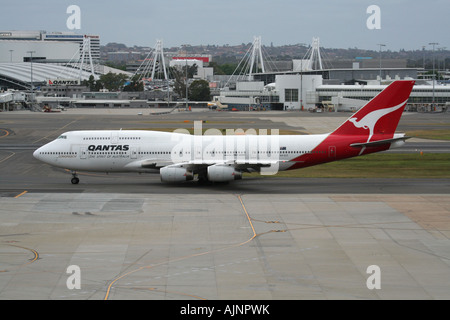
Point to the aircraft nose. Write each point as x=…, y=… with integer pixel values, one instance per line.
x=37, y=153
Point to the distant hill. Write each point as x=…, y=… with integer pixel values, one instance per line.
x=233, y=53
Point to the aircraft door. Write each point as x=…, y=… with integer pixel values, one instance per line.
x=133, y=153
x=114, y=137
x=198, y=152
x=332, y=152
x=83, y=153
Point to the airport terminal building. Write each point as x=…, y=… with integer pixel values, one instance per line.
x=308, y=85
x=17, y=46
x=346, y=90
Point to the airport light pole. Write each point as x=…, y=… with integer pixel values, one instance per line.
x=31, y=67
x=423, y=57
x=301, y=80
x=186, y=85
x=31, y=75
x=433, y=44
x=301, y=85
x=442, y=49
x=381, y=45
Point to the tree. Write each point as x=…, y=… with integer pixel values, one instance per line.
x=199, y=91
x=134, y=85
x=112, y=82
x=179, y=75
x=225, y=68
x=89, y=83
x=229, y=68
x=217, y=68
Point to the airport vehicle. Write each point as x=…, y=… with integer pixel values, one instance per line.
x=218, y=158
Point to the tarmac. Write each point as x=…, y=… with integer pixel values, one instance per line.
x=132, y=237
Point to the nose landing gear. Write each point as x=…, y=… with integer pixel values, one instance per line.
x=75, y=179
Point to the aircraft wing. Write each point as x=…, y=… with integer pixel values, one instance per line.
x=154, y=163
x=149, y=164
x=196, y=166
x=241, y=165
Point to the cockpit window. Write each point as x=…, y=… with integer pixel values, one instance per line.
x=62, y=137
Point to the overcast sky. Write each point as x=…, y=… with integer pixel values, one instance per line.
x=405, y=24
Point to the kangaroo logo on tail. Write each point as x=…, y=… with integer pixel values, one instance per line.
x=369, y=121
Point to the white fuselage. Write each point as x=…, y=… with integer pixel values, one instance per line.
x=147, y=151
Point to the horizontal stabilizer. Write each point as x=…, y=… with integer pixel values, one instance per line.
x=377, y=143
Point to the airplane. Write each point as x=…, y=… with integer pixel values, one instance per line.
x=178, y=156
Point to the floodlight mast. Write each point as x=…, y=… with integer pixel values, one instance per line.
x=86, y=49
x=256, y=54
x=159, y=53
x=150, y=62
x=434, y=75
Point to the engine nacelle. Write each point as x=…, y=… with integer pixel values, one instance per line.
x=221, y=173
x=175, y=174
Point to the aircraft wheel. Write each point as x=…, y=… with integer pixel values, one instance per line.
x=75, y=180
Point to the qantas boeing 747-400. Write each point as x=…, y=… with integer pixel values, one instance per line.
x=219, y=158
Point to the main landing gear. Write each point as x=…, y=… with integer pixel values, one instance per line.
x=75, y=179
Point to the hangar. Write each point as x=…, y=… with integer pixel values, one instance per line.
x=20, y=75
x=23, y=75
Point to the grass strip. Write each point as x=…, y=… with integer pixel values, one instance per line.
x=381, y=165
x=435, y=134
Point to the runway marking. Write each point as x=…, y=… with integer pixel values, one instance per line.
x=6, y=133
x=35, y=253
x=108, y=290
x=20, y=194
x=173, y=292
x=11, y=155
x=59, y=129
x=248, y=217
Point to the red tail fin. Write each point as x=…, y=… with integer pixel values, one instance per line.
x=369, y=130
x=380, y=116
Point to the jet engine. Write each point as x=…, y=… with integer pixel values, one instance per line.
x=222, y=173
x=175, y=174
